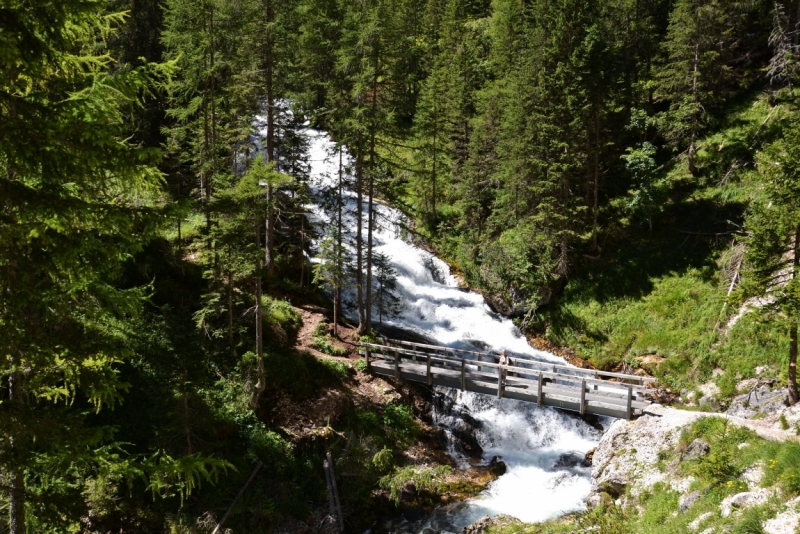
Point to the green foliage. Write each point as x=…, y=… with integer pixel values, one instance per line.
x=399, y=421
x=423, y=478
x=361, y=365
x=282, y=313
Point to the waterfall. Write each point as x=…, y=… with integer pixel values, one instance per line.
x=530, y=439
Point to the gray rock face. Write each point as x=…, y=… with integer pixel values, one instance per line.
x=743, y=500
x=687, y=501
x=697, y=449
x=482, y=525
x=760, y=401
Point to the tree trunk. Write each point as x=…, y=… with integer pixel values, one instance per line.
x=362, y=325
x=261, y=384
x=268, y=70
x=596, y=176
x=692, y=148
x=372, y=169
x=337, y=297
x=16, y=475
x=793, y=394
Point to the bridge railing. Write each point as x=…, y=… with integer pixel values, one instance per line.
x=524, y=359
x=435, y=364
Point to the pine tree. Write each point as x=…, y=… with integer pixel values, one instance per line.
x=773, y=257
x=76, y=199
x=705, y=56
x=385, y=299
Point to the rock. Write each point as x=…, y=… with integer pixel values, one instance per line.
x=695, y=525
x=687, y=501
x=628, y=455
x=696, y=449
x=497, y=467
x=590, y=455
x=753, y=475
x=482, y=525
x=785, y=522
x=279, y=336
x=760, y=400
x=742, y=500
x=614, y=487
x=570, y=460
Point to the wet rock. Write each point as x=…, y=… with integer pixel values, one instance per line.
x=696, y=449
x=570, y=460
x=687, y=501
x=590, y=455
x=482, y=525
x=497, y=467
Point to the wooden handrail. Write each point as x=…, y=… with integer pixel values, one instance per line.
x=376, y=352
x=528, y=359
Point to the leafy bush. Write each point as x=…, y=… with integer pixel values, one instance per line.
x=361, y=365
x=423, y=478
x=399, y=421
x=326, y=346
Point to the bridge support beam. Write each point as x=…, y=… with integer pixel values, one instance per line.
x=539, y=399
x=583, y=396
x=628, y=411
x=428, y=371
x=463, y=375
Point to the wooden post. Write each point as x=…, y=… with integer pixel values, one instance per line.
x=499, y=382
x=366, y=357
x=428, y=373
x=463, y=375
x=479, y=359
x=583, y=396
x=335, y=493
x=539, y=399
x=630, y=399
x=396, y=363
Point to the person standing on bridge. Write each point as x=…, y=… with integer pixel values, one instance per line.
x=504, y=360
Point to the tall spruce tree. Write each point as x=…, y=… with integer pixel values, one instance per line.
x=74, y=197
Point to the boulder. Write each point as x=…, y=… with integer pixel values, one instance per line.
x=745, y=499
x=481, y=526
x=696, y=449
x=571, y=460
x=497, y=467
x=688, y=500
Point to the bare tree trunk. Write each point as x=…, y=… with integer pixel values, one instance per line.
x=268, y=69
x=692, y=147
x=372, y=169
x=362, y=325
x=433, y=174
x=261, y=385
x=337, y=297
x=596, y=175
x=793, y=395
x=16, y=475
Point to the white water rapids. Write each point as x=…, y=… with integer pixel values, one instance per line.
x=529, y=439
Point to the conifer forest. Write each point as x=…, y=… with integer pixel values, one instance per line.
x=619, y=178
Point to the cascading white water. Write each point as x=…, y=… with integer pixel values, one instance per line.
x=528, y=438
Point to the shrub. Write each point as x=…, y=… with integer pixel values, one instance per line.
x=423, y=478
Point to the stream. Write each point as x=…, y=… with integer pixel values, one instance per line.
x=531, y=440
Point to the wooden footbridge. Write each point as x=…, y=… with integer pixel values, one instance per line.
x=524, y=378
